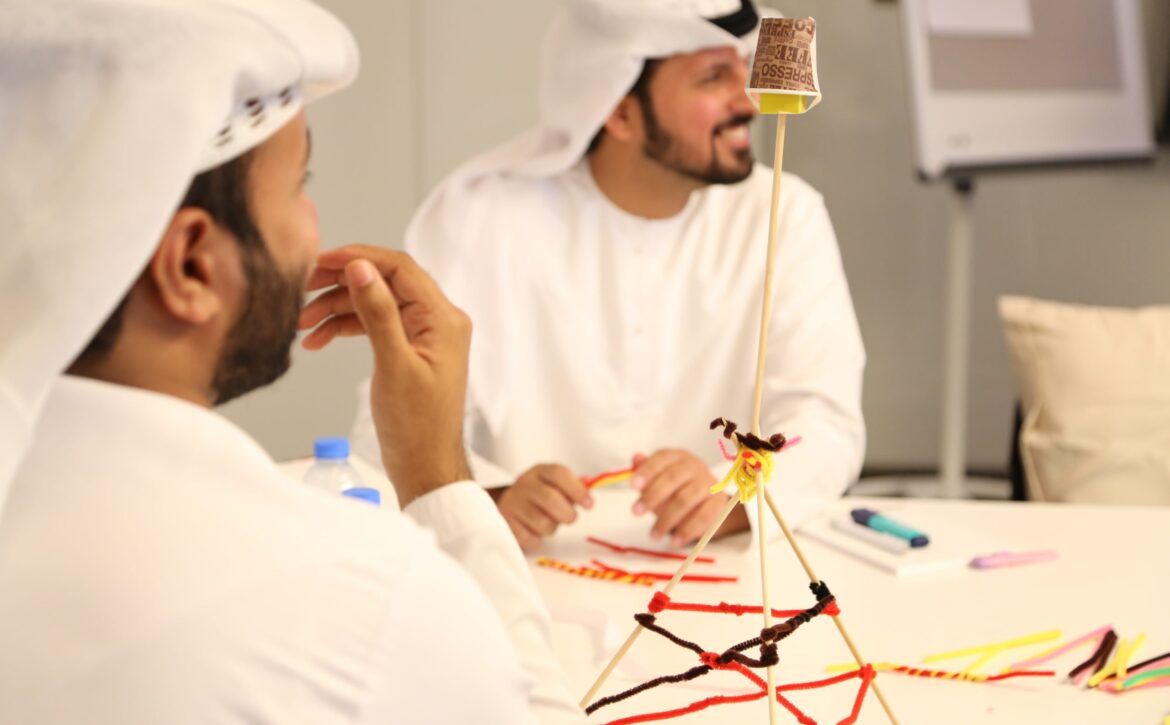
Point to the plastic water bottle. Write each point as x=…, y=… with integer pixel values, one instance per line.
x=332, y=472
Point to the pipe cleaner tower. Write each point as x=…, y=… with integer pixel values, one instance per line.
x=783, y=81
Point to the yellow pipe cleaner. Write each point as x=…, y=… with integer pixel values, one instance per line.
x=1119, y=663
x=743, y=472
x=590, y=573
x=989, y=651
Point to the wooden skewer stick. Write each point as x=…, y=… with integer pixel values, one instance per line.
x=812, y=577
x=773, y=233
x=766, y=307
x=678, y=575
x=758, y=396
x=762, y=528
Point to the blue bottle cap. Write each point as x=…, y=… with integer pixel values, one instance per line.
x=331, y=449
x=372, y=495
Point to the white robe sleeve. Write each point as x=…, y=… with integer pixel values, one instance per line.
x=470, y=529
x=813, y=377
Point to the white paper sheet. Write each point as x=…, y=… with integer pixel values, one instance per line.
x=982, y=18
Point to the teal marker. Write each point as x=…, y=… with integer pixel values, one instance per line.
x=877, y=522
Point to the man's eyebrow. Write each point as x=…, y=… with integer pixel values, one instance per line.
x=716, y=64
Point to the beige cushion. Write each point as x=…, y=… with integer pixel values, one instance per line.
x=1095, y=387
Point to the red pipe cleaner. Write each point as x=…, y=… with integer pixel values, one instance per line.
x=734, y=659
x=646, y=552
x=693, y=707
x=660, y=602
x=865, y=674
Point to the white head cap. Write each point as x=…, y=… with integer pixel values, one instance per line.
x=108, y=109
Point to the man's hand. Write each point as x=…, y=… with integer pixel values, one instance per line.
x=676, y=487
x=420, y=342
x=543, y=497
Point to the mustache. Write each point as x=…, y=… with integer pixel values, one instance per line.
x=742, y=119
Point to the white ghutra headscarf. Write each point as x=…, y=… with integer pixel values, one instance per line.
x=108, y=109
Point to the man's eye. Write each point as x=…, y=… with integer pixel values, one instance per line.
x=306, y=179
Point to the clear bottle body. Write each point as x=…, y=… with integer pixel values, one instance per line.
x=333, y=475
x=331, y=471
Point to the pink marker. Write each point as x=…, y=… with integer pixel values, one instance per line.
x=1012, y=558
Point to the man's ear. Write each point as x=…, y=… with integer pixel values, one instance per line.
x=195, y=265
x=626, y=123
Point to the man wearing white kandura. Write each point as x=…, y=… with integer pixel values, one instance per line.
x=155, y=564
x=612, y=260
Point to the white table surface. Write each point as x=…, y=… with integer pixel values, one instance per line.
x=1113, y=569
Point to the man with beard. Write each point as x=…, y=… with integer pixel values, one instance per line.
x=155, y=564
x=612, y=260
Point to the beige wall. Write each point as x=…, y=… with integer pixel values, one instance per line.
x=1091, y=235
x=442, y=79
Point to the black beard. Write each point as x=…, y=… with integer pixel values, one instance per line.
x=660, y=145
x=258, y=348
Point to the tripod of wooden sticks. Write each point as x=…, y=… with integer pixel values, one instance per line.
x=761, y=487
